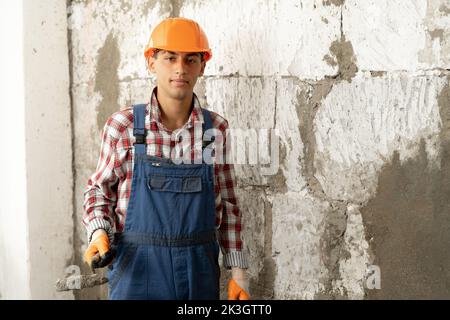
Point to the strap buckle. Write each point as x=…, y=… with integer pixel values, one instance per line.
x=140, y=139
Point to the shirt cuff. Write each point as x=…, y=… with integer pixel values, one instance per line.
x=235, y=259
x=99, y=223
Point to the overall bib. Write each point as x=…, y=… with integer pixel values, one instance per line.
x=169, y=248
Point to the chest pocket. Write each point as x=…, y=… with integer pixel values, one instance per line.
x=173, y=183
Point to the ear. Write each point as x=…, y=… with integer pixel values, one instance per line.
x=202, y=70
x=151, y=64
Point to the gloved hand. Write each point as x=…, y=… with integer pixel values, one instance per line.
x=98, y=253
x=238, y=289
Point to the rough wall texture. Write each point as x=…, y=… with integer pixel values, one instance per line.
x=359, y=94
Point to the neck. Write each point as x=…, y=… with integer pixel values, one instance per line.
x=174, y=113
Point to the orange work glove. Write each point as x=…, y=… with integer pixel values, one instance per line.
x=235, y=290
x=98, y=253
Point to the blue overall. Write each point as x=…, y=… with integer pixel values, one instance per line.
x=169, y=248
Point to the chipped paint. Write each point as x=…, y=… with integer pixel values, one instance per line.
x=357, y=257
x=106, y=80
x=344, y=59
x=445, y=9
x=377, y=73
x=307, y=107
x=354, y=139
x=436, y=50
x=333, y=2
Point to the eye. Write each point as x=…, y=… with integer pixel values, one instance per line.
x=170, y=58
x=192, y=60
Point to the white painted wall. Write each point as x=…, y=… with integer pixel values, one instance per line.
x=14, y=245
x=36, y=223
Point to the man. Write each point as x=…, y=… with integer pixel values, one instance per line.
x=165, y=215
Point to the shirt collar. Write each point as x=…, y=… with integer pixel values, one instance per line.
x=155, y=112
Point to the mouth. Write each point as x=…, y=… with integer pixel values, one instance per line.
x=179, y=81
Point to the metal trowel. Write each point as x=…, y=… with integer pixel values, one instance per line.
x=81, y=281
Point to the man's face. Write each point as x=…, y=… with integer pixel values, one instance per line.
x=176, y=72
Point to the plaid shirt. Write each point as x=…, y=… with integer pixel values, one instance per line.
x=108, y=191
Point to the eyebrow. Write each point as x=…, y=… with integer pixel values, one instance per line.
x=193, y=54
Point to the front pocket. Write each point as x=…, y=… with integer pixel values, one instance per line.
x=172, y=183
x=123, y=259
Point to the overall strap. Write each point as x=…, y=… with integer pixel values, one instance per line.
x=207, y=124
x=208, y=137
x=139, y=131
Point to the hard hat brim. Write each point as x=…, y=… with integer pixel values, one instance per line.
x=150, y=51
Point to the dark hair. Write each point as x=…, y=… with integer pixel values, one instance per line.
x=155, y=53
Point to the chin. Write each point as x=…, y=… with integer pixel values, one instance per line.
x=179, y=95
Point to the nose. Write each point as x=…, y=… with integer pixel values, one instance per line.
x=180, y=67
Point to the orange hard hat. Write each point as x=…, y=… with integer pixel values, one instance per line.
x=178, y=34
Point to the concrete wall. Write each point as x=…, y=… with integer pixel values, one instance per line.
x=48, y=145
x=359, y=93
x=36, y=219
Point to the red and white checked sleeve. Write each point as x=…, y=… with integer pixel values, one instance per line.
x=230, y=228
x=100, y=195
